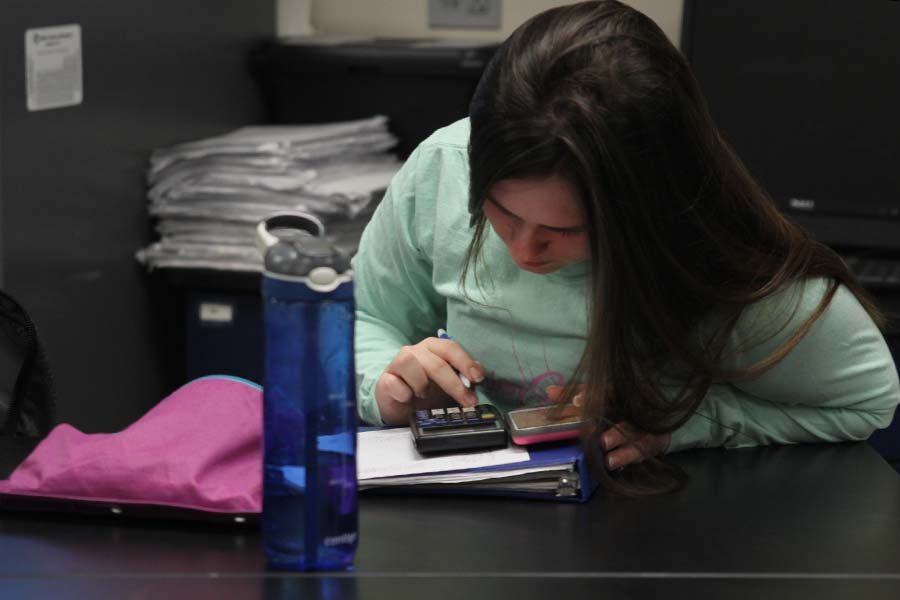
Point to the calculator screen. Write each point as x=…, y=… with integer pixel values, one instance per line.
x=550, y=415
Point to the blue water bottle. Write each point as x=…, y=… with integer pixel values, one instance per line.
x=309, y=518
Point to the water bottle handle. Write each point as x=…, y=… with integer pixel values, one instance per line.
x=286, y=220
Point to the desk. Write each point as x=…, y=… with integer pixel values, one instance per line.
x=818, y=521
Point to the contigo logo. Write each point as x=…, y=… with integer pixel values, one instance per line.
x=40, y=38
x=337, y=540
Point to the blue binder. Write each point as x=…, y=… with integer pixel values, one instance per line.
x=570, y=485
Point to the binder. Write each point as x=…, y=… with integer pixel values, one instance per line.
x=554, y=471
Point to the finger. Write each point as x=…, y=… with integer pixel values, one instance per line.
x=625, y=455
x=395, y=388
x=452, y=353
x=406, y=366
x=557, y=393
x=445, y=377
x=618, y=434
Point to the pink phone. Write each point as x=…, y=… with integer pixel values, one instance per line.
x=544, y=424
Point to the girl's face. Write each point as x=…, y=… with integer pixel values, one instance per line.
x=540, y=220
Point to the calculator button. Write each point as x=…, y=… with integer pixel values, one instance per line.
x=437, y=413
x=456, y=417
x=486, y=411
x=452, y=410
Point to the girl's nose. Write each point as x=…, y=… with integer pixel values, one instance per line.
x=527, y=245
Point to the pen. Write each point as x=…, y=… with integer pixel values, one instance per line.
x=465, y=380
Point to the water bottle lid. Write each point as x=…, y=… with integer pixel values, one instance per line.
x=294, y=247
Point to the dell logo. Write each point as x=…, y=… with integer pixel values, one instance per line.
x=802, y=204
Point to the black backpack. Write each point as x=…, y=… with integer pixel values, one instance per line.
x=27, y=406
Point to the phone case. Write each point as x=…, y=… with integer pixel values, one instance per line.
x=543, y=433
x=537, y=438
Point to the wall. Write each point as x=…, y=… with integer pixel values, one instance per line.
x=409, y=18
x=72, y=184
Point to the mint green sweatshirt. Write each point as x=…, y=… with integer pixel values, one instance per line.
x=529, y=330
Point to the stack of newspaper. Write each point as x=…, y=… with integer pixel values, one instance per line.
x=208, y=195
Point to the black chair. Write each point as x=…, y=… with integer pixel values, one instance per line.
x=27, y=406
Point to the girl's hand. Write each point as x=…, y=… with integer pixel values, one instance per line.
x=428, y=371
x=623, y=443
x=555, y=394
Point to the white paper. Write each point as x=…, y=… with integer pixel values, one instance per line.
x=466, y=477
x=209, y=194
x=391, y=453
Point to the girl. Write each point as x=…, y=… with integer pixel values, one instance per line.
x=588, y=235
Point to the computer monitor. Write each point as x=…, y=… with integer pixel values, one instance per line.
x=808, y=94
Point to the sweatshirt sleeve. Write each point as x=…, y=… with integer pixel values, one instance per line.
x=838, y=384
x=396, y=304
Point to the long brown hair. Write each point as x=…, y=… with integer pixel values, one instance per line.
x=680, y=233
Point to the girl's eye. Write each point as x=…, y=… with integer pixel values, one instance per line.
x=512, y=219
x=569, y=232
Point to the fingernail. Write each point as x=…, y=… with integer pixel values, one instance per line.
x=471, y=399
x=612, y=463
x=475, y=375
x=578, y=399
x=604, y=442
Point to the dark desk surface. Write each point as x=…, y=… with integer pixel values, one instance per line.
x=812, y=521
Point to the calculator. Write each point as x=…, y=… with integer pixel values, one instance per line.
x=457, y=428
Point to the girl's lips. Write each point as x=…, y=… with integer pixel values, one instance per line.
x=536, y=266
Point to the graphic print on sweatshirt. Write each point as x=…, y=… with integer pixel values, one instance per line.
x=528, y=389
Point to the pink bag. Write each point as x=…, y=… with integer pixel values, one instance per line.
x=198, y=453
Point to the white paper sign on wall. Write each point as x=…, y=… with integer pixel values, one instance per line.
x=53, y=67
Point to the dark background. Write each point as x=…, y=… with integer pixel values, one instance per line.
x=807, y=92
x=72, y=188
